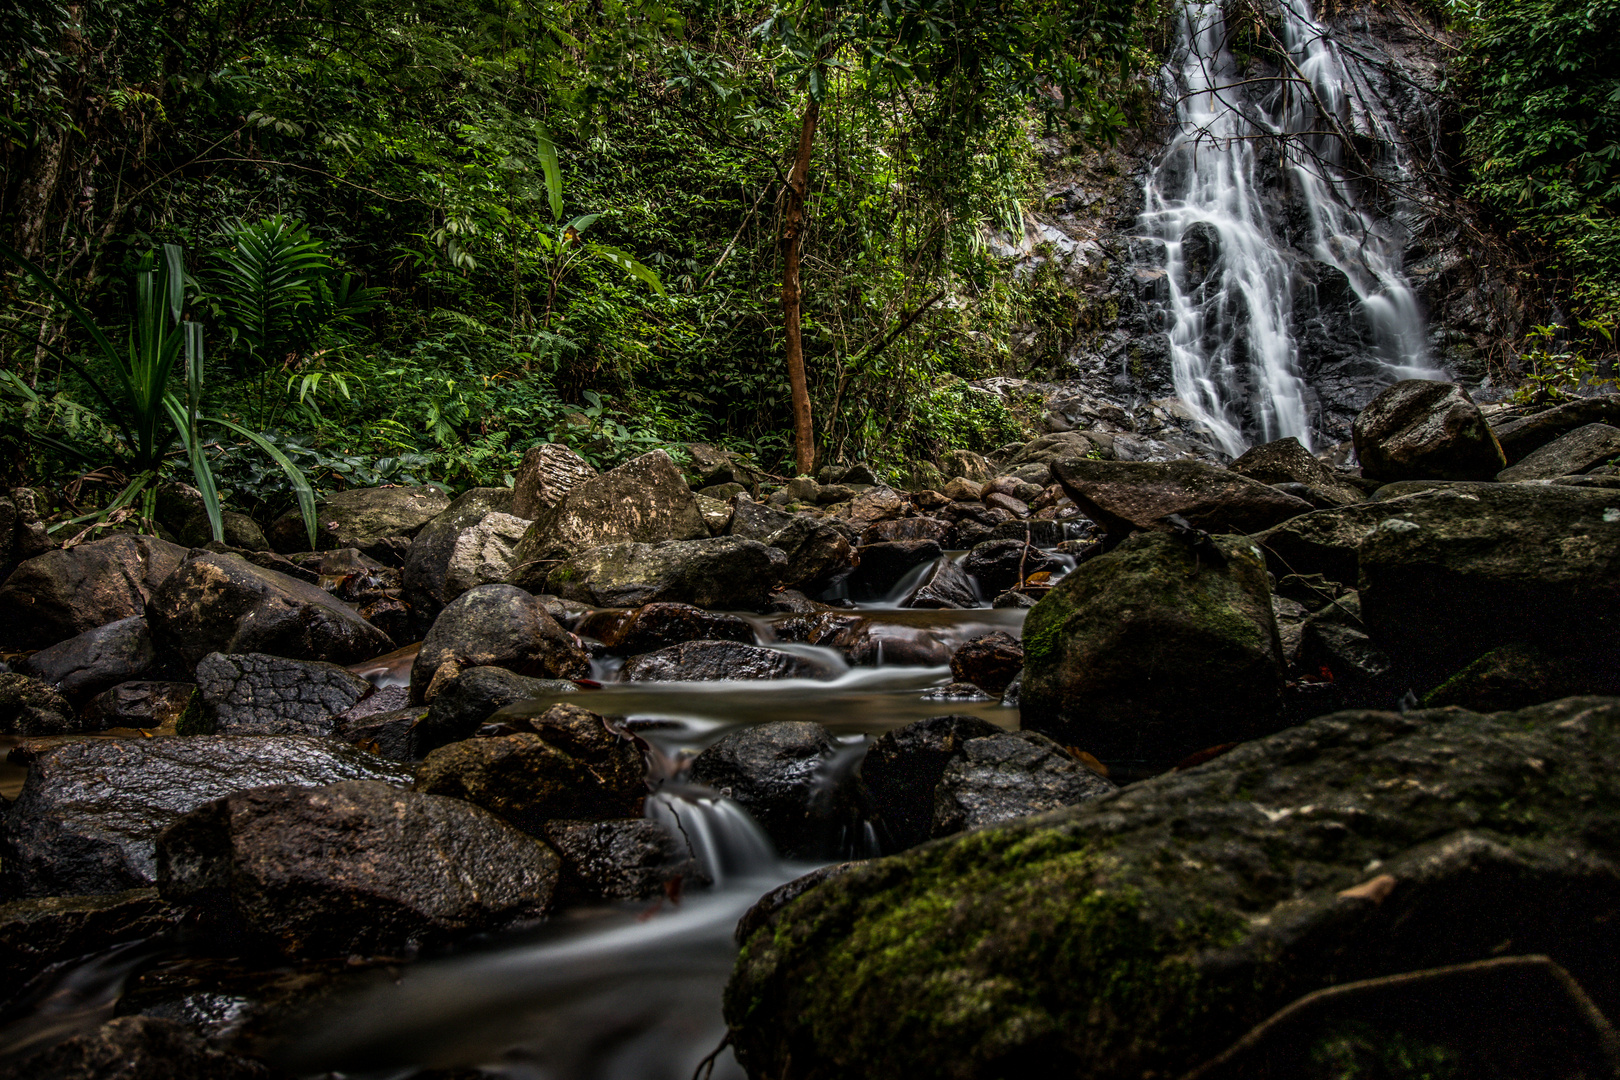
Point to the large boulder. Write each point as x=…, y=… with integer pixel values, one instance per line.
x=946, y=585
x=465, y=702
x=903, y=767
x=546, y=474
x=572, y=766
x=222, y=603
x=1285, y=461
x=816, y=552
x=725, y=572
x=1524, y=434
x=1584, y=448
x=1154, y=651
x=999, y=565
x=643, y=501
x=1142, y=933
x=991, y=662
x=784, y=774
x=1008, y=775
x=632, y=859
x=82, y=667
x=31, y=707
x=706, y=661
x=655, y=626
x=355, y=866
x=1423, y=430
x=90, y=811
x=1124, y=496
x=885, y=564
x=374, y=520
x=427, y=564
x=255, y=694
x=495, y=626
x=63, y=593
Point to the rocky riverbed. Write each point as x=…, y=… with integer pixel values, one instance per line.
x=1107, y=752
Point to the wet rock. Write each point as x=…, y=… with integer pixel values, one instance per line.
x=1422, y=430
x=22, y=533
x=37, y=933
x=386, y=734
x=947, y=585
x=963, y=490
x=997, y=564
x=784, y=773
x=884, y=565
x=466, y=701
x=1009, y=775
x=724, y=572
x=1037, y=473
x=139, y=704
x=643, y=501
x=134, y=1048
x=961, y=693
x=255, y=694
x=371, y=519
x=1041, y=534
x=96, y=660
x=816, y=552
x=1015, y=507
x=1285, y=461
x=269, y=560
x=353, y=867
x=495, y=626
x=1582, y=449
x=902, y=769
x=221, y=603
x=60, y=594
x=1013, y=599
x=1123, y=496
x=721, y=492
x=859, y=473
x=715, y=466
x=546, y=474
x=989, y=662
x=704, y=661
x=655, y=626
x=574, y=766
x=756, y=521
x=716, y=514
x=868, y=642
x=484, y=554
x=31, y=707
x=1360, y=671
x=632, y=859
x=89, y=811
x=966, y=464
x=237, y=531
x=1153, y=651
x=1354, y=846
x=1058, y=446
x=902, y=529
x=879, y=504
x=427, y=564
x=1521, y=436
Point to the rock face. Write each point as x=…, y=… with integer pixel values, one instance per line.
x=783, y=774
x=725, y=572
x=31, y=707
x=1582, y=449
x=466, y=701
x=1009, y=775
x=363, y=518
x=1285, y=461
x=1145, y=932
x=1520, y=437
x=654, y=626
x=1152, y=652
x=546, y=474
x=1126, y=495
x=816, y=552
x=495, y=626
x=633, y=859
x=990, y=662
x=356, y=866
x=1421, y=430
x=705, y=661
x=902, y=769
x=90, y=811
x=643, y=501
x=82, y=667
x=255, y=694
x=134, y=1048
x=573, y=767
x=60, y=594
x=428, y=562
x=222, y=603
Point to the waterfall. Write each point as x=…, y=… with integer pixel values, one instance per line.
x=1231, y=274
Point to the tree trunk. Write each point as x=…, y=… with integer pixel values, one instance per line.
x=804, y=442
x=35, y=194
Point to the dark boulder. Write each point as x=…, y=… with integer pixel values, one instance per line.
x=1520, y=436
x=883, y=565
x=495, y=626
x=138, y=705
x=904, y=529
x=63, y=593
x=427, y=564
x=786, y=774
x=546, y=474
x=1144, y=933
x=82, y=667
x=868, y=642
x=572, y=765
x=377, y=521
x=1422, y=430
x=1008, y=775
x=756, y=521
x=386, y=734
x=255, y=694
x=1124, y=496
x=960, y=693
x=990, y=662
x=134, y=1048
x=1582, y=449
x=1285, y=461
x=724, y=572
x=31, y=707
x=90, y=811
x=634, y=859
x=655, y=626
x=1154, y=651
x=997, y=564
x=1520, y=675
x=222, y=603
x=37, y=933
x=947, y=585
x=816, y=552
x=353, y=867
x=903, y=767
x=705, y=661
x=466, y=701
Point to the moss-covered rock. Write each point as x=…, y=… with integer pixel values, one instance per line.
x=1142, y=933
x=1154, y=651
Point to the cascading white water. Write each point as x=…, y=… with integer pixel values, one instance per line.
x=1234, y=357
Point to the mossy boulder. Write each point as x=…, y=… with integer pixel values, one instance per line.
x=723, y=572
x=1142, y=933
x=1154, y=651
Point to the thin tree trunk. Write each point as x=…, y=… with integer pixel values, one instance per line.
x=35, y=194
x=804, y=442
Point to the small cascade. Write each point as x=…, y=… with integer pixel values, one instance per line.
x=1233, y=275
x=724, y=840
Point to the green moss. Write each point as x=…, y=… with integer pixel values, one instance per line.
x=194, y=719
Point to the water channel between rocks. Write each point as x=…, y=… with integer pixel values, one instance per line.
x=627, y=991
